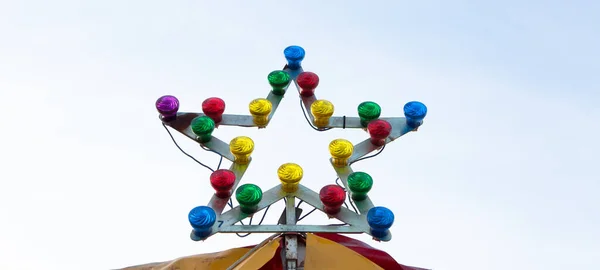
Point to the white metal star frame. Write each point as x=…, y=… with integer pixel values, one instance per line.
x=212, y=219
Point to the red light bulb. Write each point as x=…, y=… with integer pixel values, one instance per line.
x=214, y=107
x=222, y=181
x=379, y=130
x=307, y=81
x=332, y=196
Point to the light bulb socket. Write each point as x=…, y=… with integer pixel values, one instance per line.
x=322, y=122
x=260, y=121
x=359, y=196
x=204, y=138
x=241, y=159
x=249, y=209
x=379, y=234
x=289, y=187
x=332, y=210
x=339, y=162
x=198, y=235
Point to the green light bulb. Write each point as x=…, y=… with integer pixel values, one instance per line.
x=359, y=183
x=248, y=196
x=203, y=126
x=368, y=111
x=279, y=80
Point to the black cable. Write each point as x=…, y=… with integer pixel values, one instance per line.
x=349, y=198
x=302, y=217
x=210, y=150
x=308, y=120
x=259, y=223
x=367, y=157
x=263, y=217
x=230, y=203
x=190, y=156
x=352, y=204
x=337, y=183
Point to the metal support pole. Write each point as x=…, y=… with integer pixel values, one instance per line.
x=291, y=241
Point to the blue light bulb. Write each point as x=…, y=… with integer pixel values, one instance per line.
x=294, y=56
x=415, y=112
x=380, y=220
x=202, y=218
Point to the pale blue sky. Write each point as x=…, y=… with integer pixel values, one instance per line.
x=503, y=175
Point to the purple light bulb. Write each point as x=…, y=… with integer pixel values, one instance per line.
x=167, y=106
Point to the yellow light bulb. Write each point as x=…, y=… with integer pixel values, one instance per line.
x=241, y=147
x=340, y=151
x=322, y=110
x=290, y=175
x=260, y=109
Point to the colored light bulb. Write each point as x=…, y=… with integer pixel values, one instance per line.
x=322, y=110
x=359, y=183
x=202, y=218
x=368, y=111
x=248, y=196
x=167, y=106
x=415, y=112
x=279, y=80
x=294, y=56
x=379, y=130
x=241, y=147
x=214, y=107
x=332, y=196
x=203, y=126
x=222, y=181
x=260, y=109
x=307, y=81
x=340, y=151
x=290, y=175
x=380, y=220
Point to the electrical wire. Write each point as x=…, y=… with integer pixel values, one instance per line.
x=230, y=203
x=308, y=120
x=302, y=217
x=368, y=157
x=210, y=150
x=190, y=156
x=349, y=198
